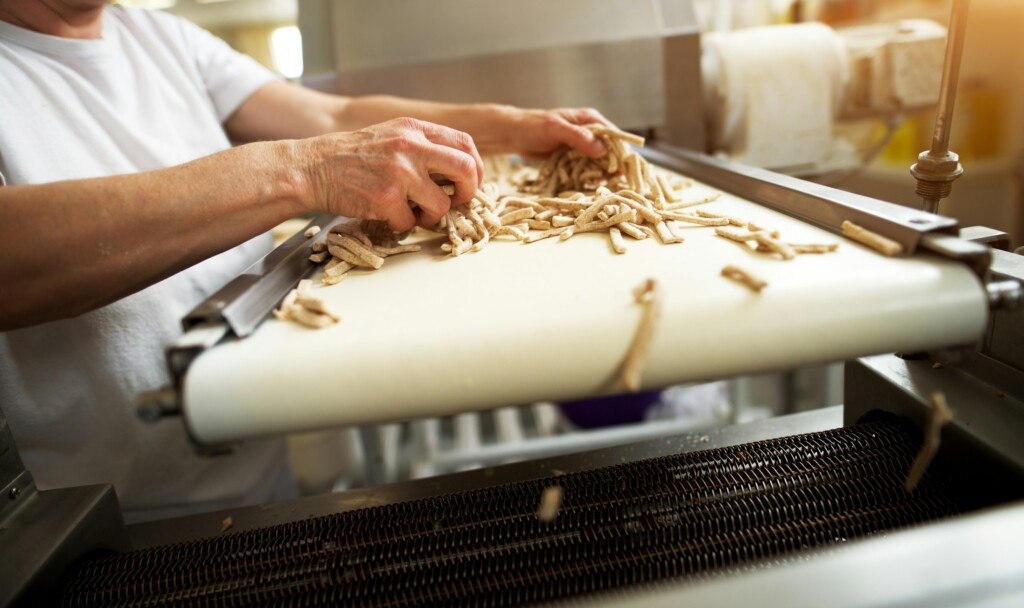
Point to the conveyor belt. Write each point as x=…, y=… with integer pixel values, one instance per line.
x=684, y=515
x=430, y=336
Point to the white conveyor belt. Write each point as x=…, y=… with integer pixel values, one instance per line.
x=430, y=335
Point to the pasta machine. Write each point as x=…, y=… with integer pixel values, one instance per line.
x=806, y=509
x=787, y=508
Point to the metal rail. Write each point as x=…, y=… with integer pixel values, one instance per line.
x=819, y=205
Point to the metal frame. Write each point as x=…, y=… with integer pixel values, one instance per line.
x=43, y=533
x=988, y=409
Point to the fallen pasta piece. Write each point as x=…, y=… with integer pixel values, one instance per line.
x=740, y=236
x=550, y=504
x=774, y=245
x=537, y=236
x=812, y=248
x=311, y=232
x=695, y=219
x=666, y=235
x=649, y=296
x=744, y=278
x=939, y=415
x=766, y=243
x=633, y=230
x=732, y=220
x=615, y=237
x=303, y=308
x=684, y=204
x=334, y=271
x=397, y=249
x=752, y=227
x=874, y=240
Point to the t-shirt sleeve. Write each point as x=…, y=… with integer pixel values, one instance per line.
x=230, y=77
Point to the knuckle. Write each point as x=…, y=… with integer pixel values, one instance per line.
x=387, y=194
x=465, y=165
x=552, y=120
x=462, y=140
x=404, y=144
x=406, y=122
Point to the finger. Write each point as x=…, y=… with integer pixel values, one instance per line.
x=452, y=138
x=399, y=216
x=585, y=116
x=458, y=167
x=580, y=138
x=432, y=200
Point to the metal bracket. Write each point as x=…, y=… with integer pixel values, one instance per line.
x=975, y=255
x=245, y=302
x=996, y=239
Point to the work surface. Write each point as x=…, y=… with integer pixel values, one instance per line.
x=430, y=335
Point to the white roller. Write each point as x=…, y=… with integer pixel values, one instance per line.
x=430, y=335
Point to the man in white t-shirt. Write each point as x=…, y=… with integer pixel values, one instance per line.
x=126, y=205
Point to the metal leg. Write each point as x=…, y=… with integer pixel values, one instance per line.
x=373, y=454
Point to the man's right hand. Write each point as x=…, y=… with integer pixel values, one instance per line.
x=375, y=172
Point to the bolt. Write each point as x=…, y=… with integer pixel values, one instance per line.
x=14, y=493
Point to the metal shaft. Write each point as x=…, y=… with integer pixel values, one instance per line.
x=936, y=169
x=950, y=76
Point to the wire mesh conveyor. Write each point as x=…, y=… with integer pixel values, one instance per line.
x=678, y=516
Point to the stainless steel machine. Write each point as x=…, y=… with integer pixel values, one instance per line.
x=801, y=510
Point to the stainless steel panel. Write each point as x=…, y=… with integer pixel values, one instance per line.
x=988, y=421
x=622, y=79
x=48, y=533
x=13, y=477
x=684, y=99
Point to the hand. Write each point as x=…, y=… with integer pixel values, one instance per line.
x=375, y=172
x=537, y=133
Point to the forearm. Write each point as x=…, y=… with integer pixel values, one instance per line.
x=488, y=124
x=282, y=110
x=70, y=247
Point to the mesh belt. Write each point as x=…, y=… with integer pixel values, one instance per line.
x=671, y=517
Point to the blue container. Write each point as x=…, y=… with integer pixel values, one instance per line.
x=611, y=410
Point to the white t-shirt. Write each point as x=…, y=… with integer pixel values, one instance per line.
x=153, y=92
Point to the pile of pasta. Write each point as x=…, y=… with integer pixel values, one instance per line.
x=617, y=194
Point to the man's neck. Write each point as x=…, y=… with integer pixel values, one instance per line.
x=81, y=19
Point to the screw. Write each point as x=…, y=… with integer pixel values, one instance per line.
x=14, y=493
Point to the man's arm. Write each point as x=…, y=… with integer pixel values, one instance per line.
x=73, y=246
x=281, y=110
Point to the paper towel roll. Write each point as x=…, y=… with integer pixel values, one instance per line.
x=772, y=92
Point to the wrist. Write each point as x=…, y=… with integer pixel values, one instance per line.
x=498, y=127
x=288, y=185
